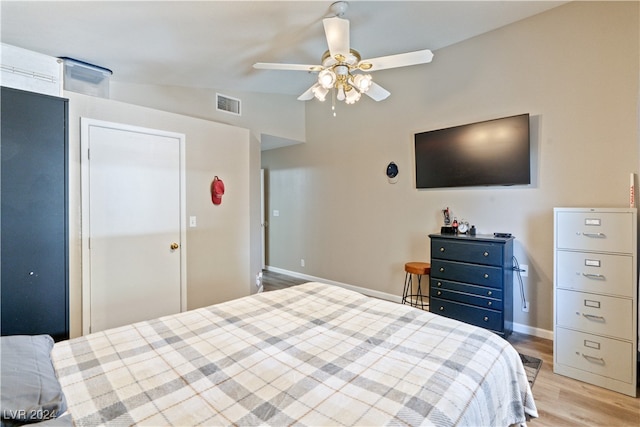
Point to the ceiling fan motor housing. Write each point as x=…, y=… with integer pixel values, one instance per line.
x=341, y=70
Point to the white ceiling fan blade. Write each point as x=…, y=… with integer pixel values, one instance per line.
x=307, y=95
x=377, y=92
x=399, y=60
x=287, y=67
x=337, y=32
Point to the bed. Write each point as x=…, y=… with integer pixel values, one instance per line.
x=309, y=355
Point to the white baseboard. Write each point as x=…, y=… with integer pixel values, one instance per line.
x=517, y=327
x=536, y=332
x=364, y=291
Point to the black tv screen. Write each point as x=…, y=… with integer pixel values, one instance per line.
x=492, y=152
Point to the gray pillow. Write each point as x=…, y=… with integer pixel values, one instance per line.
x=30, y=390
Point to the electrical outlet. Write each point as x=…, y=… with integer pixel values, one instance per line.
x=524, y=270
x=302, y=262
x=525, y=307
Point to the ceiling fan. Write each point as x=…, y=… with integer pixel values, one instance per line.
x=342, y=69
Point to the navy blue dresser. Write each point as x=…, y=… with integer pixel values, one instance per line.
x=472, y=280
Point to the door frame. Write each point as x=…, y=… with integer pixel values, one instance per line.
x=85, y=127
x=263, y=219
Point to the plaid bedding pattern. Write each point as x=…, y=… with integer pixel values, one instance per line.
x=310, y=355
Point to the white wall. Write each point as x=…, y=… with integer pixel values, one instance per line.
x=575, y=69
x=219, y=249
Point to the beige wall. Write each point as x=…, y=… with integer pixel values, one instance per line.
x=220, y=249
x=575, y=69
x=281, y=116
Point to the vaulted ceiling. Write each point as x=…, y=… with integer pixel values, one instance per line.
x=213, y=44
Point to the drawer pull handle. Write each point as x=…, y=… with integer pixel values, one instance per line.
x=486, y=319
x=599, y=360
x=441, y=308
x=441, y=269
x=486, y=276
x=489, y=293
x=439, y=284
x=441, y=249
x=489, y=303
x=596, y=235
x=486, y=253
x=593, y=276
x=439, y=293
x=593, y=317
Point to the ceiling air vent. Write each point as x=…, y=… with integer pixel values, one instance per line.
x=227, y=104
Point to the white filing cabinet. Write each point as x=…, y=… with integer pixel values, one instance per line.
x=596, y=296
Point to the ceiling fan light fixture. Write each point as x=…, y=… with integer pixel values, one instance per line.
x=351, y=96
x=341, y=95
x=320, y=92
x=327, y=78
x=363, y=82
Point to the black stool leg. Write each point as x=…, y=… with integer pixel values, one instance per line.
x=407, y=288
x=419, y=293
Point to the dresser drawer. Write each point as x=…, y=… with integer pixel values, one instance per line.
x=606, y=357
x=485, y=318
x=467, y=298
x=595, y=231
x=486, y=253
x=482, y=291
x=595, y=272
x=595, y=313
x=484, y=275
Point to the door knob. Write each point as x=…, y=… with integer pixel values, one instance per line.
x=175, y=246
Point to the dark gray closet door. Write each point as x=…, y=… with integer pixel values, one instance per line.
x=34, y=216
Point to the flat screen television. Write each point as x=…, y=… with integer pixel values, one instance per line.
x=492, y=152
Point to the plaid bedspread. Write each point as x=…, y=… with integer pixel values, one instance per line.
x=310, y=355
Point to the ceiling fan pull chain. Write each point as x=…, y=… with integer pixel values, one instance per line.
x=333, y=101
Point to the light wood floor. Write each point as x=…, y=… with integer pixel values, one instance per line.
x=561, y=401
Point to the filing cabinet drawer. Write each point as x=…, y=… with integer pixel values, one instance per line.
x=485, y=318
x=482, y=291
x=485, y=253
x=595, y=272
x=595, y=231
x=470, y=273
x=594, y=313
x=606, y=357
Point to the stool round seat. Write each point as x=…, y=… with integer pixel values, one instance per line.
x=417, y=268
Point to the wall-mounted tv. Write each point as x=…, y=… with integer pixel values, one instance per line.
x=492, y=152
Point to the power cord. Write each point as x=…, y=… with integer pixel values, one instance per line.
x=516, y=268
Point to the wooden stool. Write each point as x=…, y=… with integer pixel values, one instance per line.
x=419, y=269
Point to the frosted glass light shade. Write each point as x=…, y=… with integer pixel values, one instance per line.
x=327, y=78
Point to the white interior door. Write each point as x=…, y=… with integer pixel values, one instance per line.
x=133, y=222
